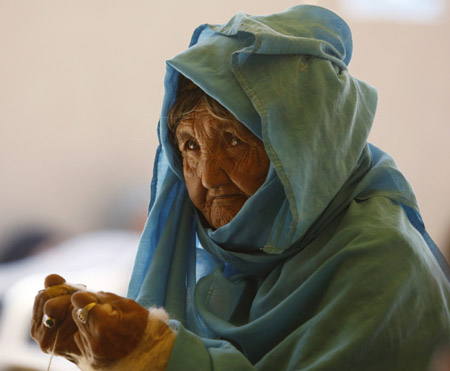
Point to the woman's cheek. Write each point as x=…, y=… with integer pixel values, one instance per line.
x=250, y=170
x=196, y=191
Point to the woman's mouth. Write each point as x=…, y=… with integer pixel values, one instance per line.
x=226, y=198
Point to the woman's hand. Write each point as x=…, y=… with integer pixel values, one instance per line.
x=109, y=329
x=54, y=304
x=97, y=329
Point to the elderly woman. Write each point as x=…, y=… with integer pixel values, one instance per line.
x=277, y=238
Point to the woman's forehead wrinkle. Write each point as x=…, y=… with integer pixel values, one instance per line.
x=205, y=127
x=184, y=129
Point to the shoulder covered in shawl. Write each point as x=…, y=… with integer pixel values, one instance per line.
x=365, y=295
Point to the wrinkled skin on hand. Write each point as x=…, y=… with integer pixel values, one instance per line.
x=114, y=327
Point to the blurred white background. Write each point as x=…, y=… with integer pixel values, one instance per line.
x=81, y=89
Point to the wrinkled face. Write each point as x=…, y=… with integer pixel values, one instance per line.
x=223, y=164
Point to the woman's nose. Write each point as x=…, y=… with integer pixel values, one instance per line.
x=213, y=172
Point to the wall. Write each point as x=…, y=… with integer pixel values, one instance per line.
x=81, y=88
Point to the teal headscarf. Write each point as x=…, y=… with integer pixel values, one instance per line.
x=285, y=77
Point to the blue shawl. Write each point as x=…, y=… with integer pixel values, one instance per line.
x=334, y=214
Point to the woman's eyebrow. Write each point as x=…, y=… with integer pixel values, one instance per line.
x=182, y=136
x=227, y=125
x=235, y=127
x=184, y=131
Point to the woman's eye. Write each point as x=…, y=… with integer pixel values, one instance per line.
x=235, y=141
x=191, y=145
x=232, y=140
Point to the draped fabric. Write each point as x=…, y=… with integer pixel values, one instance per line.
x=334, y=232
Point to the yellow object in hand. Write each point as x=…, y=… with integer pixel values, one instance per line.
x=63, y=289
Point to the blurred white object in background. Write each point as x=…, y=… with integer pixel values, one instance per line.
x=419, y=11
x=101, y=260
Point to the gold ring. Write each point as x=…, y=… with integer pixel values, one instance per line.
x=83, y=313
x=48, y=321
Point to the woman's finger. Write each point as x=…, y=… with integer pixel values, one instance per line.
x=84, y=304
x=53, y=280
x=49, y=320
x=52, y=314
x=94, y=322
x=82, y=298
x=94, y=313
x=38, y=313
x=58, y=308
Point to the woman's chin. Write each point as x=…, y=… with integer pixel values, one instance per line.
x=217, y=223
x=221, y=216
